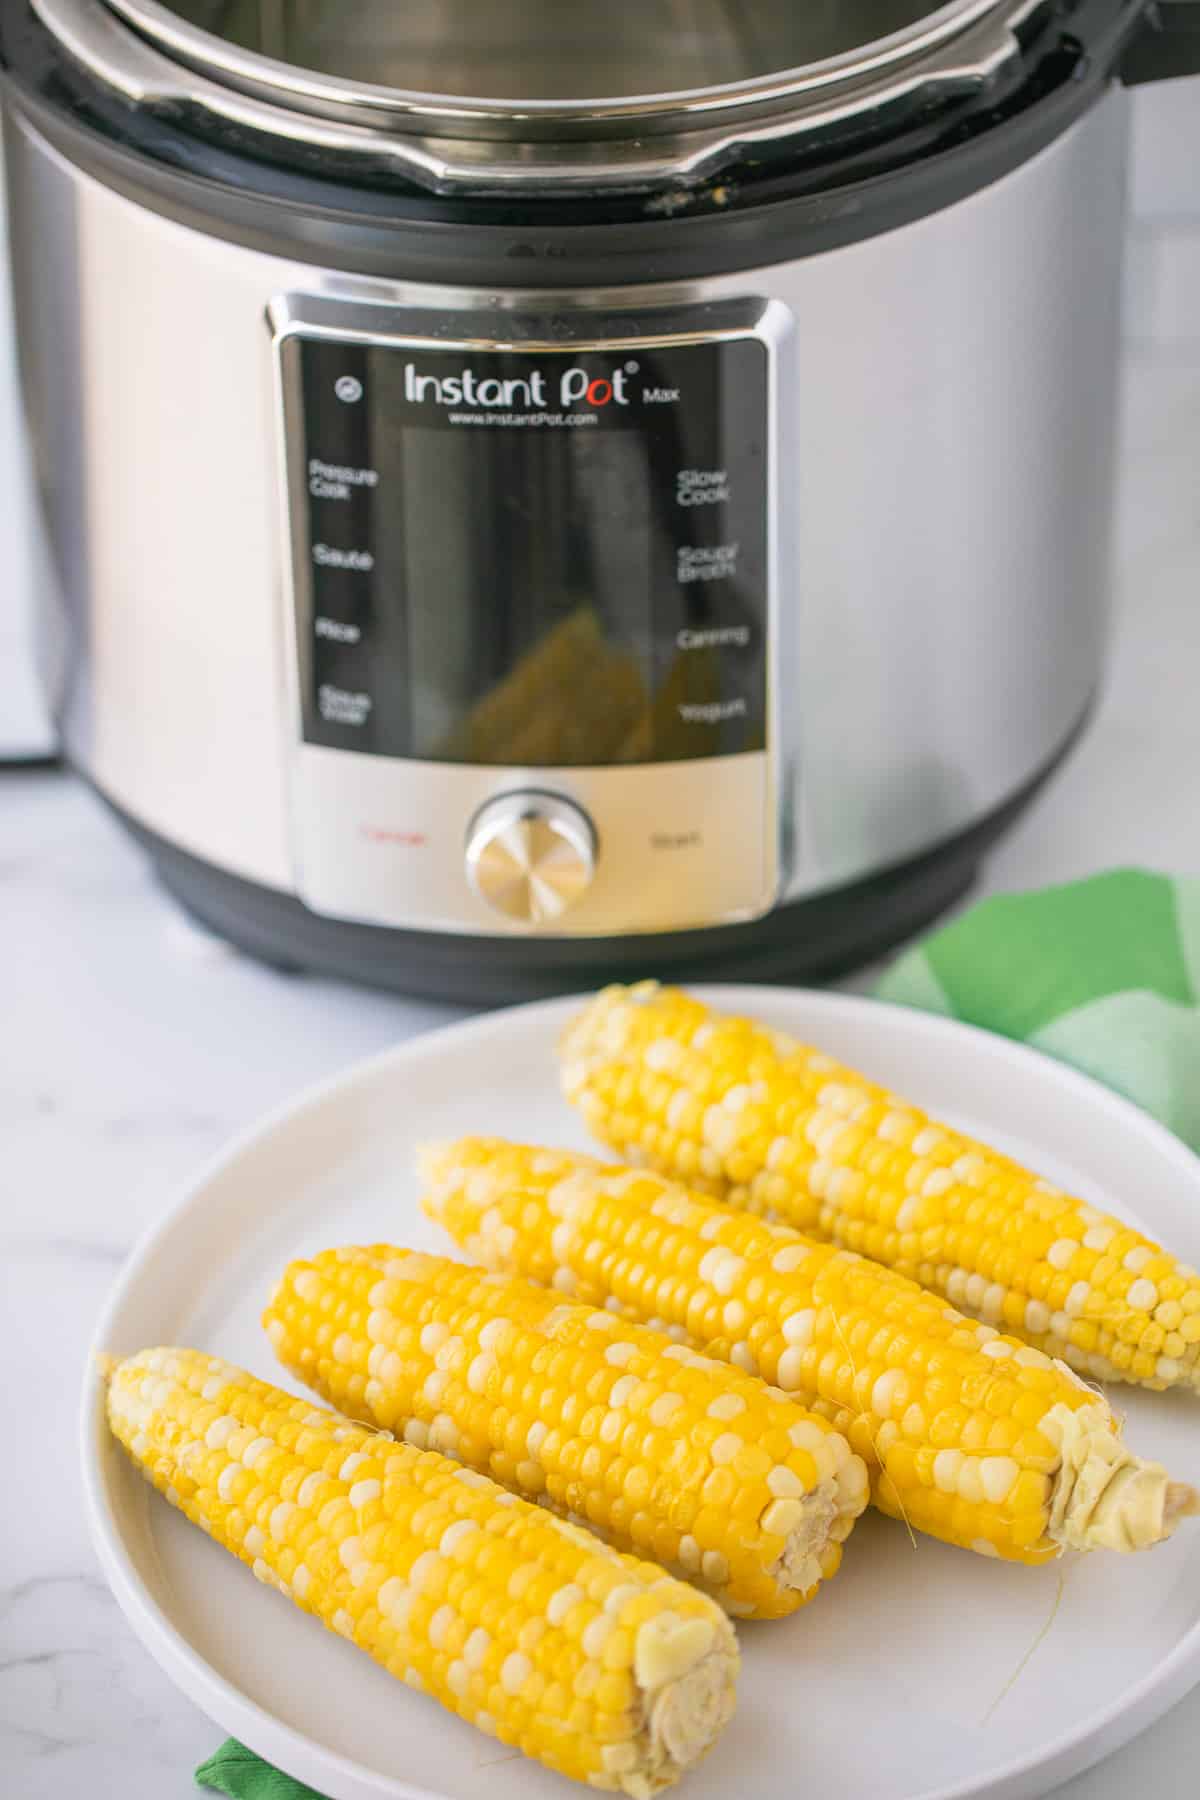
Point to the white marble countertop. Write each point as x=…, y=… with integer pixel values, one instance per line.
x=133, y=1047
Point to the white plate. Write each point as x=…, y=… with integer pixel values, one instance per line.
x=893, y=1685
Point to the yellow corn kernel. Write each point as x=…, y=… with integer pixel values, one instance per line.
x=920, y=1391
x=487, y=1603
x=782, y=1130
x=594, y=1416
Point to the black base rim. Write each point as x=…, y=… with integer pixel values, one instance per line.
x=811, y=940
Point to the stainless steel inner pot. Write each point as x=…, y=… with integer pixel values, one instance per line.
x=526, y=97
x=445, y=61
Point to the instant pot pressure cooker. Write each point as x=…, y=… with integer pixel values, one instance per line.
x=542, y=493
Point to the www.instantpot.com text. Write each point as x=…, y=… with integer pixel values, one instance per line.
x=537, y=418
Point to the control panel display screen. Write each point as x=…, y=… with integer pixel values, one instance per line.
x=531, y=559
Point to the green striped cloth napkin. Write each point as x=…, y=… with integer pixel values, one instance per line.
x=1103, y=974
x=236, y=1771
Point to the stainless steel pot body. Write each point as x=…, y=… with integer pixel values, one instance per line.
x=25, y=731
x=941, y=425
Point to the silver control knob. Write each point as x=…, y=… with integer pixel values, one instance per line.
x=530, y=856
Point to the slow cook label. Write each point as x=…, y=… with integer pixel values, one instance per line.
x=542, y=559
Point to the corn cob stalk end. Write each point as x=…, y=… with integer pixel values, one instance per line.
x=1182, y=1502
x=1104, y=1497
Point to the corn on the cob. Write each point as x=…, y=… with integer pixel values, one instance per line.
x=972, y=1437
x=594, y=1663
x=696, y=1466
x=770, y=1125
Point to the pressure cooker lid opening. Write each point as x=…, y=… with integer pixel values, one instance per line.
x=507, y=63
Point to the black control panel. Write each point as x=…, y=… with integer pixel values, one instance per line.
x=540, y=558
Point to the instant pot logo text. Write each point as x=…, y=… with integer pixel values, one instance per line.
x=574, y=387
